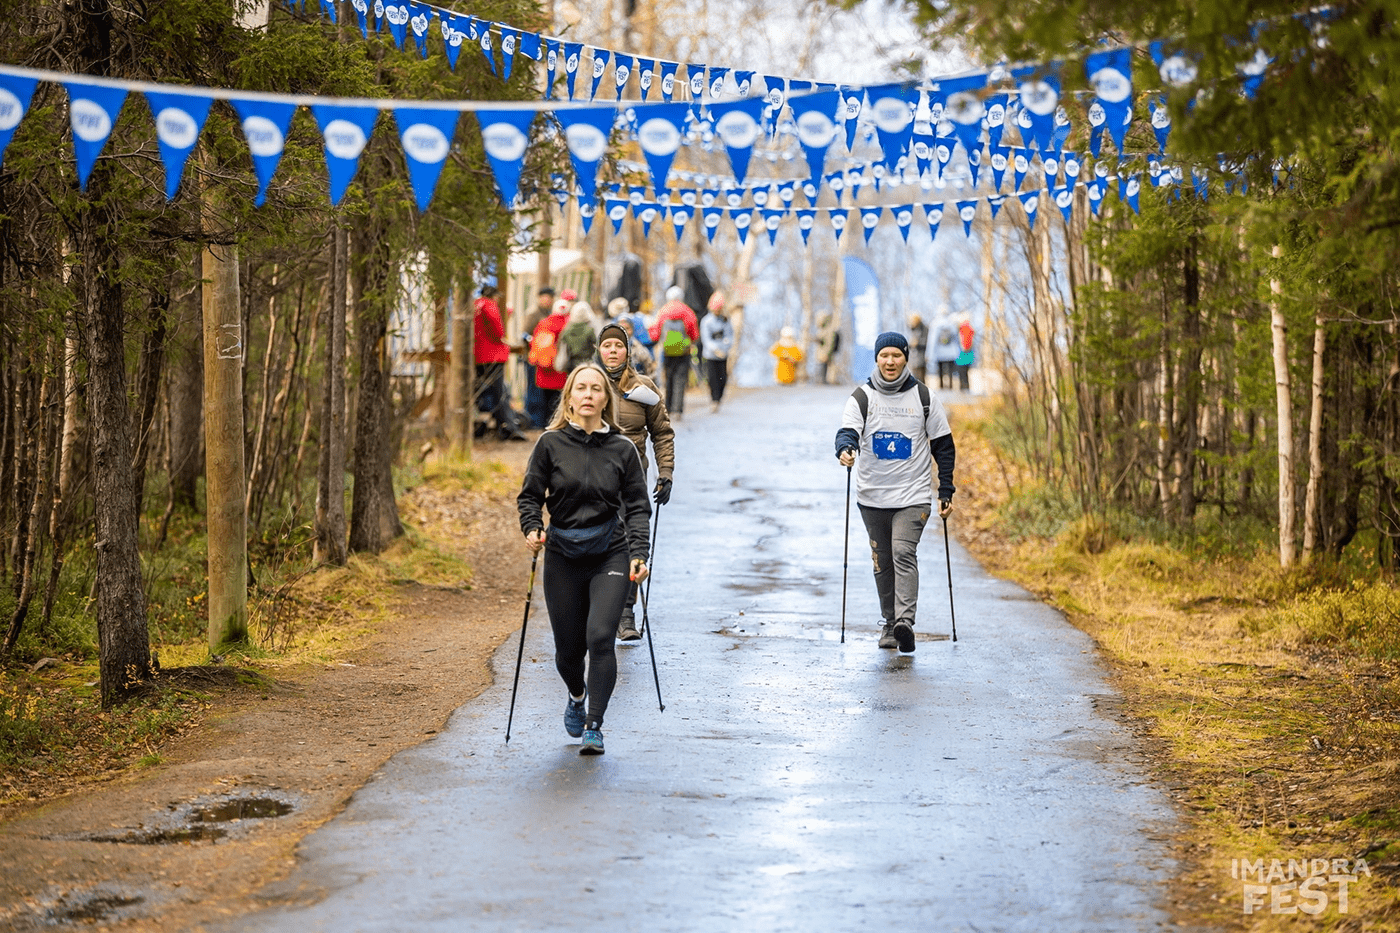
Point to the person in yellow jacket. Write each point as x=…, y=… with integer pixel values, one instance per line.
x=789, y=354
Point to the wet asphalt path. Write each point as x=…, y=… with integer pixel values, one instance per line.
x=793, y=782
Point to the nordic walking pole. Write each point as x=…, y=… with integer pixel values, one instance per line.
x=845, y=555
x=655, y=523
x=948, y=558
x=520, y=654
x=650, y=645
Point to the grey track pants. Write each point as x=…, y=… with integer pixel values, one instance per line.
x=894, y=547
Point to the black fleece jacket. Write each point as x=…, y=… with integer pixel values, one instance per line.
x=586, y=480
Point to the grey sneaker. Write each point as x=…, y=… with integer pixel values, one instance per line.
x=627, y=628
x=592, y=742
x=887, y=636
x=574, y=714
x=904, y=637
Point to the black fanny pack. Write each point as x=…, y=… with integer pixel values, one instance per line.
x=574, y=543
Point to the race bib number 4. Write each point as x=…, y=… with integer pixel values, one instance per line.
x=890, y=445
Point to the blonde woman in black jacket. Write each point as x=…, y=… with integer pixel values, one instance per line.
x=590, y=477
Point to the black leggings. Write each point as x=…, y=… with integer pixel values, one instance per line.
x=585, y=599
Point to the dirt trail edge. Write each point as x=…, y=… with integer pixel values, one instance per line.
x=192, y=840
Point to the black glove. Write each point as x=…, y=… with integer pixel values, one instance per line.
x=663, y=491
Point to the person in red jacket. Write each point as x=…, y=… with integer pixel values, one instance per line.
x=544, y=349
x=674, y=334
x=491, y=354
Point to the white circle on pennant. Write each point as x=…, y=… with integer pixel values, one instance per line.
x=1178, y=70
x=943, y=152
x=998, y=161
x=1021, y=162
x=921, y=150
x=892, y=114
x=838, y=184
x=398, y=15
x=1023, y=118
x=1039, y=97
x=598, y=67
x=852, y=107
x=712, y=220
x=965, y=107
x=815, y=129
x=1161, y=118
x=1097, y=117
x=634, y=197
x=1031, y=203
x=935, y=216
x=1062, y=198
x=617, y=212
x=504, y=141
x=838, y=221
x=771, y=221
x=552, y=60
x=1095, y=193
x=645, y=80
x=264, y=137
x=508, y=45
x=90, y=122
x=734, y=198
x=659, y=137
x=1111, y=85
x=1052, y=166
x=571, y=64
x=707, y=199
x=904, y=217
x=810, y=190
x=967, y=212
x=622, y=74
x=1133, y=186
x=648, y=214
x=760, y=197
x=668, y=84
x=176, y=128
x=680, y=216
x=974, y=157
x=1256, y=65
x=697, y=84
x=737, y=129
x=804, y=221
x=379, y=8
x=344, y=140
x=586, y=142
x=455, y=38
x=423, y=142
x=786, y=194
x=587, y=210
x=420, y=25
x=1101, y=170
x=996, y=115
x=869, y=220
x=688, y=198
x=1072, y=168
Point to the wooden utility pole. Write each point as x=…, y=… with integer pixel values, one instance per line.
x=1283, y=390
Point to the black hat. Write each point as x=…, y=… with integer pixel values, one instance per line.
x=546, y=290
x=614, y=330
x=892, y=339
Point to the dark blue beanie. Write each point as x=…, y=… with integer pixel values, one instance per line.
x=892, y=339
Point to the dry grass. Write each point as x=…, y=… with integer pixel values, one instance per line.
x=1272, y=719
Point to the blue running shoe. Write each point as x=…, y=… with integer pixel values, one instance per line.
x=573, y=718
x=592, y=743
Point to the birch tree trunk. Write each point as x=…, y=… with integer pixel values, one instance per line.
x=1310, y=506
x=330, y=470
x=1283, y=390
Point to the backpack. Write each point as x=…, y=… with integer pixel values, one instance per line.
x=543, y=350
x=945, y=336
x=674, y=340
x=863, y=401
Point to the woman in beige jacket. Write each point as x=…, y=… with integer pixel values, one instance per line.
x=641, y=414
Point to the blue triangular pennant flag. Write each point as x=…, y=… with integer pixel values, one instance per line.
x=646, y=75
x=712, y=216
x=922, y=149
x=15, y=94
x=772, y=218
x=786, y=192
x=346, y=131
x=1095, y=191
x=419, y=16
x=506, y=135
x=362, y=14
x=838, y=216
x=717, y=76
x=265, y=126
x=933, y=213
x=680, y=216
x=695, y=75
x=851, y=102
x=396, y=13
x=942, y=152
x=1000, y=162
x=510, y=42
x=668, y=80
x=996, y=119
x=904, y=218
x=622, y=71
x=743, y=219
x=1064, y=200
x=553, y=51
x=1097, y=120
x=586, y=133
x=964, y=108
x=659, y=132
x=587, y=209
x=179, y=119
x=483, y=38
x=530, y=46
x=1131, y=187
x=92, y=110
x=1176, y=68
x=1072, y=167
x=806, y=220
x=743, y=80
x=967, y=213
x=617, y=212
x=894, y=119
x=836, y=181
x=1020, y=165
x=600, y=65
x=760, y=195
x=647, y=214
x=1050, y=167
x=453, y=35
x=1030, y=200
x=1161, y=122
x=995, y=202
x=1039, y=98
x=1198, y=179
x=737, y=125
x=870, y=219
x=1111, y=76
x=572, y=53
x=814, y=115
x=426, y=136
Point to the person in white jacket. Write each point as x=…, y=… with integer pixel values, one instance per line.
x=894, y=430
x=716, y=340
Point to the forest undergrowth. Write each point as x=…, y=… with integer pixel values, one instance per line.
x=1268, y=698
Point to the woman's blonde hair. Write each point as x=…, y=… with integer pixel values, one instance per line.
x=562, y=414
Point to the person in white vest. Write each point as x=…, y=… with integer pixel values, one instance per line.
x=945, y=347
x=893, y=431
